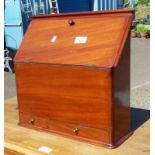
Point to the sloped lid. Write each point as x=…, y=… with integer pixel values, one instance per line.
x=87, y=38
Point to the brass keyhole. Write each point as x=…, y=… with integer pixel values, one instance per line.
x=76, y=131
x=31, y=121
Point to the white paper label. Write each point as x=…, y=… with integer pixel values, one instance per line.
x=53, y=39
x=45, y=149
x=80, y=40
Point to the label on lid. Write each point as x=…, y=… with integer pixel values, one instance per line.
x=45, y=149
x=80, y=40
x=53, y=39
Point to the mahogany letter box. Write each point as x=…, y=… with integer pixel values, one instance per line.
x=73, y=76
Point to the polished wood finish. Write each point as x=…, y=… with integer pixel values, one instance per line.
x=77, y=90
x=10, y=152
x=61, y=90
x=106, y=35
x=121, y=94
x=26, y=141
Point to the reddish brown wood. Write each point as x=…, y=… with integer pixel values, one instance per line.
x=106, y=34
x=121, y=94
x=10, y=152
x=77, y=90
x=67, y=129
x=75, y=94
x=33, y=120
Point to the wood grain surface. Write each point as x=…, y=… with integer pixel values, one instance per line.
x=74, y=97
x=65, y=93
x=106, y=35
x=11, y=152
x=27, y=142
x=121, y=94
x=77, y=89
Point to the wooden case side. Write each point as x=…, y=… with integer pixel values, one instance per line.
x=121, y=96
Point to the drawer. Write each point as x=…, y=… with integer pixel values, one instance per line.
x=27, y=119
x=78, y=131
x=66, y=128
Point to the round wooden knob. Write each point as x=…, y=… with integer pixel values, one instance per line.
x=31, y=121
x=76, y=131
x=71, y=22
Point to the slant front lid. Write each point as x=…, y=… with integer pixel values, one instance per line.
x=89, y=39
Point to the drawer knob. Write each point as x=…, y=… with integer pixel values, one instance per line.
x=31, y=121
x=76, y=131
x=71, y=22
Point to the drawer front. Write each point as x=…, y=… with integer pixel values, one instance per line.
x=78, y=131
x=67, y=129
x=27, y=119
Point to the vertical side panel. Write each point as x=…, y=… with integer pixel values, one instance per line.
x=121, y=95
